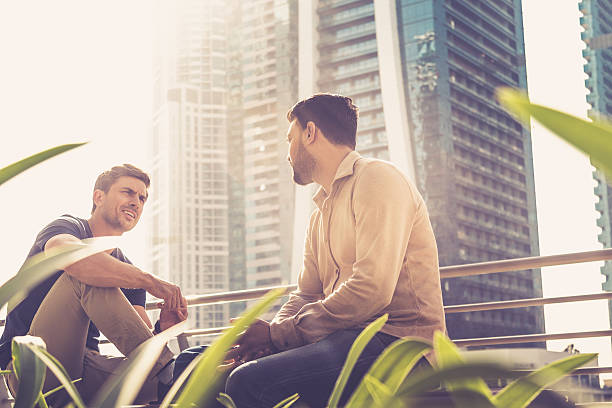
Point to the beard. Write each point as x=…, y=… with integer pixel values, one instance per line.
x=303, y=166
x=116, y=222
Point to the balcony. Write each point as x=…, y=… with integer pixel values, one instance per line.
x=475, y=269
x=356, y=15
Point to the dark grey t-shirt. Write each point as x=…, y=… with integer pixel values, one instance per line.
x=19, y=319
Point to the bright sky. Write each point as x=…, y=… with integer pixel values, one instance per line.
x=71, y=71
x=564, y=184
x=75, y=71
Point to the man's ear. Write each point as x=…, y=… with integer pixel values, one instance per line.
x=98, y=197
x=311, y=133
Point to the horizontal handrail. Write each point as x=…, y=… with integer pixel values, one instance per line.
x=474, y=307
x=592, y=370
x=532, y=262
x=450, y=272
x=510, y=304
x=485, y=341
x=474, y=269
x=530, y=338
x=234, y=296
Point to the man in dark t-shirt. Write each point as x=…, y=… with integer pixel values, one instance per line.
x=101, y=291
x=19, y=319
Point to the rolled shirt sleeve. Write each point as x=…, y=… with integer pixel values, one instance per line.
x=310, y=289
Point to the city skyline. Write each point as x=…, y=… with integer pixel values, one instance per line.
x=188, y=239
x=98, y=169
x=471, y=161
x=445, y=131
x=595, y=21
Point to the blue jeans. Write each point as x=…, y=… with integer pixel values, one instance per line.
x=311, y=371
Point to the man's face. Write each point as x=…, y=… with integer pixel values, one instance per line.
x=301, y=161
x=121, y=206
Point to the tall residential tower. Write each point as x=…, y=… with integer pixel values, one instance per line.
x=268, y=49
x=424, y=73
x=189, y=202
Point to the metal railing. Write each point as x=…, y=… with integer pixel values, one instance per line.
x=452, y=272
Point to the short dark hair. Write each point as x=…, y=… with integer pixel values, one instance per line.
x=108, y=178
x=335, y=115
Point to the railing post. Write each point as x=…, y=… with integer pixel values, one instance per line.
x=183, y=341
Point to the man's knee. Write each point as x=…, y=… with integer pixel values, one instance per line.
x=238, y=379
x=185, y=358
x=242, y=384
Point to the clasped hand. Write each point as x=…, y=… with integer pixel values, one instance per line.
x=168, y=317
x=254, y=343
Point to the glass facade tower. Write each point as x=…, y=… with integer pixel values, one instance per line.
x=471, y=160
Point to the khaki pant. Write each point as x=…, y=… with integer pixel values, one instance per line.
x=62, y=322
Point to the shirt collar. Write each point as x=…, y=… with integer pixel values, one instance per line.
x=345, y=169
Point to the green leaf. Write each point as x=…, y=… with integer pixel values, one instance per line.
x=42, y=402
x=61, y=387
x=474, y=400
x=122, y=389
x=226, y=400
x=29, y=369
x=358, y=345
x=176, y=385
x=391, y=367
x=523, y=390
x=14, y=169
x=40, y=266
x=205, y=376
x=60, y=373
x=381, y=394
x=593, y=138
x=287, y=402
x=447, y=355
x=428, y=380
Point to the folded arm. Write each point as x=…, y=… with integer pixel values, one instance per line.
x=104, y=270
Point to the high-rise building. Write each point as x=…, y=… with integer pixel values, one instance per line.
x=268, y=48
x=235, y=158
x=597, y=23
x=188, y=207
x=423, y=74
x=224, y=78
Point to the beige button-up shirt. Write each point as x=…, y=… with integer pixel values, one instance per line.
x=369, y=250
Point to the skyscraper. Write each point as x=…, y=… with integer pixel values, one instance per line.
x=597, y=34
x=423, y=74
x=235, y=158
x=224, y=79
x=189, y=193
x=268, y=63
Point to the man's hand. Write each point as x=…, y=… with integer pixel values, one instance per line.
x=256, y=342
x=170, y=293
x=168, y=318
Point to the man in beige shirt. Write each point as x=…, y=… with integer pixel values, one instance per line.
x=369, y=250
